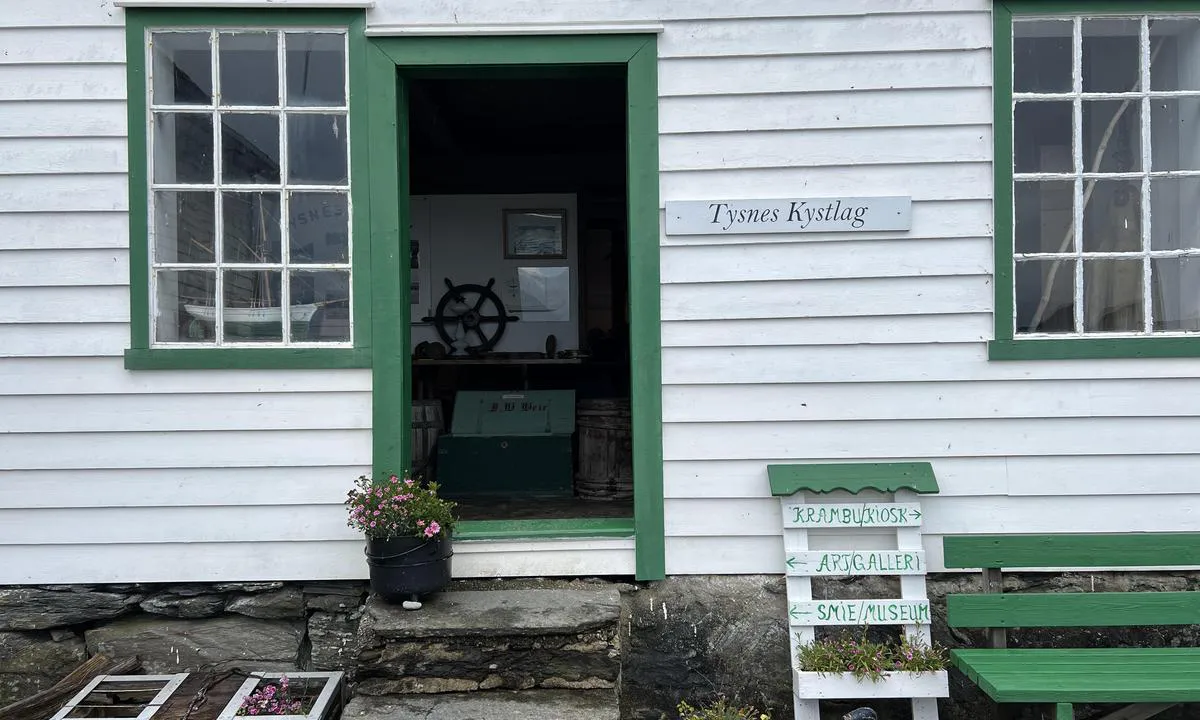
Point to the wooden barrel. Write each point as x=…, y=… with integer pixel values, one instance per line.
x=427, y=426
x=605, y=450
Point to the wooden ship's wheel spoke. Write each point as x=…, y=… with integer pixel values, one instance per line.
x=456, y=318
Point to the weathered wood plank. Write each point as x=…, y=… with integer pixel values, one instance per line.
x=61, y=156
x=64, y=340
x=895, y=329
x=63, y=268
x=65, y=230
x=944, y=183
x=63, y=119
x=1143, y=549
x=62, y=82
x=62, y=44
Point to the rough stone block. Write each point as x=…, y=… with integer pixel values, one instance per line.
x=277, y=605
x=190, y=606
x=332, y=640
x=31, y=662
x=524, y=705
x=39, y=609
x=170, y=646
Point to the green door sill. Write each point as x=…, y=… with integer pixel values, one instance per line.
x=557, y=529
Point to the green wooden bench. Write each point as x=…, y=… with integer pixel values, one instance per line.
x=1148, y=680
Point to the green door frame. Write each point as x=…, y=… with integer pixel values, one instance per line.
x=387, y=58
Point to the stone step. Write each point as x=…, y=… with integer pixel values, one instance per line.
x=509, y=705
x=491, y=640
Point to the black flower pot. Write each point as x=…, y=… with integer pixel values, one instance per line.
x=405, y=568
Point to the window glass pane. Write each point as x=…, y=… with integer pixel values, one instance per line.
x=185, y=301
x=1045, y=296
x=252, y=306
x=1042, y=56
x=1045, y=212
x=1175, y=48
x=1111, y=55
x=316, y=69
x=1112, y=218
x=319, y=228
x=252, y=232
x=249, y=68
x=181, y=64
x=185, y=227
x=317, y=149
x=249, y=148
x=1176, y=205
x=322, y=298
x=1112, y=135
x=1175, y=291
x=1175, y=125
x=1042, y=137
x=1112, y=295
x=183, y=148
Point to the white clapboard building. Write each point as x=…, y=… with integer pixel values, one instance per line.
x=744, y=234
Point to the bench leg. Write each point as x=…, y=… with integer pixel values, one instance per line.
x=1064, y=711
x=1140, y=711
x=924, y=709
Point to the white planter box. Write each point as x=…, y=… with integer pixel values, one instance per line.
x=328, y=698
x=844, y=686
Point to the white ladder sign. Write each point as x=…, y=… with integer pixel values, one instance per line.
x=911, y=609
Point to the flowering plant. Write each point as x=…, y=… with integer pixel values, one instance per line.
x=399, y=506
x=272, y=699
x=720, y=709
x=865, y=658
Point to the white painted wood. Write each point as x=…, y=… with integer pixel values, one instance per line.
x=277, y=485
x=86, y=376
x=64, y=118
x=893, y=685
x=958, y=220
x=849, y=259
x=64, y=12
x=166, y=413
x=59, y=193
x=54, y=156
x=928, y=401
x=320, y=705
x=890, y=363
x=104, y=304
x=62, y=82
x=828, y=35
x=65, y=230
x=850, y=515
x=943, y=182
x=858, y=612
x=806, y=73
x=826, y=298
x=334, y=560
x=785, y=148
x=517, y=29
x=62, y=44
x=903, y=329
x=789, y=216
x=912, y=587
x=82, y=451
x=854, y=563
x=64, y=340
x=823, y=111
x=63, y=268
x=243, y=4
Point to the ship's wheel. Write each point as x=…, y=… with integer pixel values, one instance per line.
x=470, y=317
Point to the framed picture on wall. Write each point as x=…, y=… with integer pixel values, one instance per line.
x=535, y=234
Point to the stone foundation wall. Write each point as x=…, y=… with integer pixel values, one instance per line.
x=686, y=637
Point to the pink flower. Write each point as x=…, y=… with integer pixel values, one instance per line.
x=420, y=523
x=408, y=481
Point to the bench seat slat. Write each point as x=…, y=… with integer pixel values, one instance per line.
x=1070, y=551
x=1091, y=675
x=1073, y=609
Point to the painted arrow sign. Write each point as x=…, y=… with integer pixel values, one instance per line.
x=844, y=563
x=859, y=612
x=803, y=515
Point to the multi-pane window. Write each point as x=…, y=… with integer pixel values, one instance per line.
x=1106, y=174
x=249, y=187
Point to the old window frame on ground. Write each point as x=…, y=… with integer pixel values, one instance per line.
x=1008, y=343
x=143, y=352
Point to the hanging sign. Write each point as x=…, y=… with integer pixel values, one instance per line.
x=788, y=215
x=804, y=515
x=845, y=563
x=859, y=612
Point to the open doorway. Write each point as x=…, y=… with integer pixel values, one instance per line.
x=519, y=267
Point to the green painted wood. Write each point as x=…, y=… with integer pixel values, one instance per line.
x=1072, y=551
x=282, y=358
x=390, y=416
x=360, y=184
x=140, y=356
x=1091, y=7
x=851, y=477
x=1064, y=711
x=1003, y=209
x=544, y=529
x=389, y=232
x=1094, y=348
x=1073, y=609
x=1092, y=675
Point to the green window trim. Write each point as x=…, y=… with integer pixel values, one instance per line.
x=1007, y=345
x=141, y=355
x=389, y=59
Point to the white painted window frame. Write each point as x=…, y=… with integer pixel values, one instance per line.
x=170, y=684
x=321, y=706
x=1144, y=95
x=284, y=187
